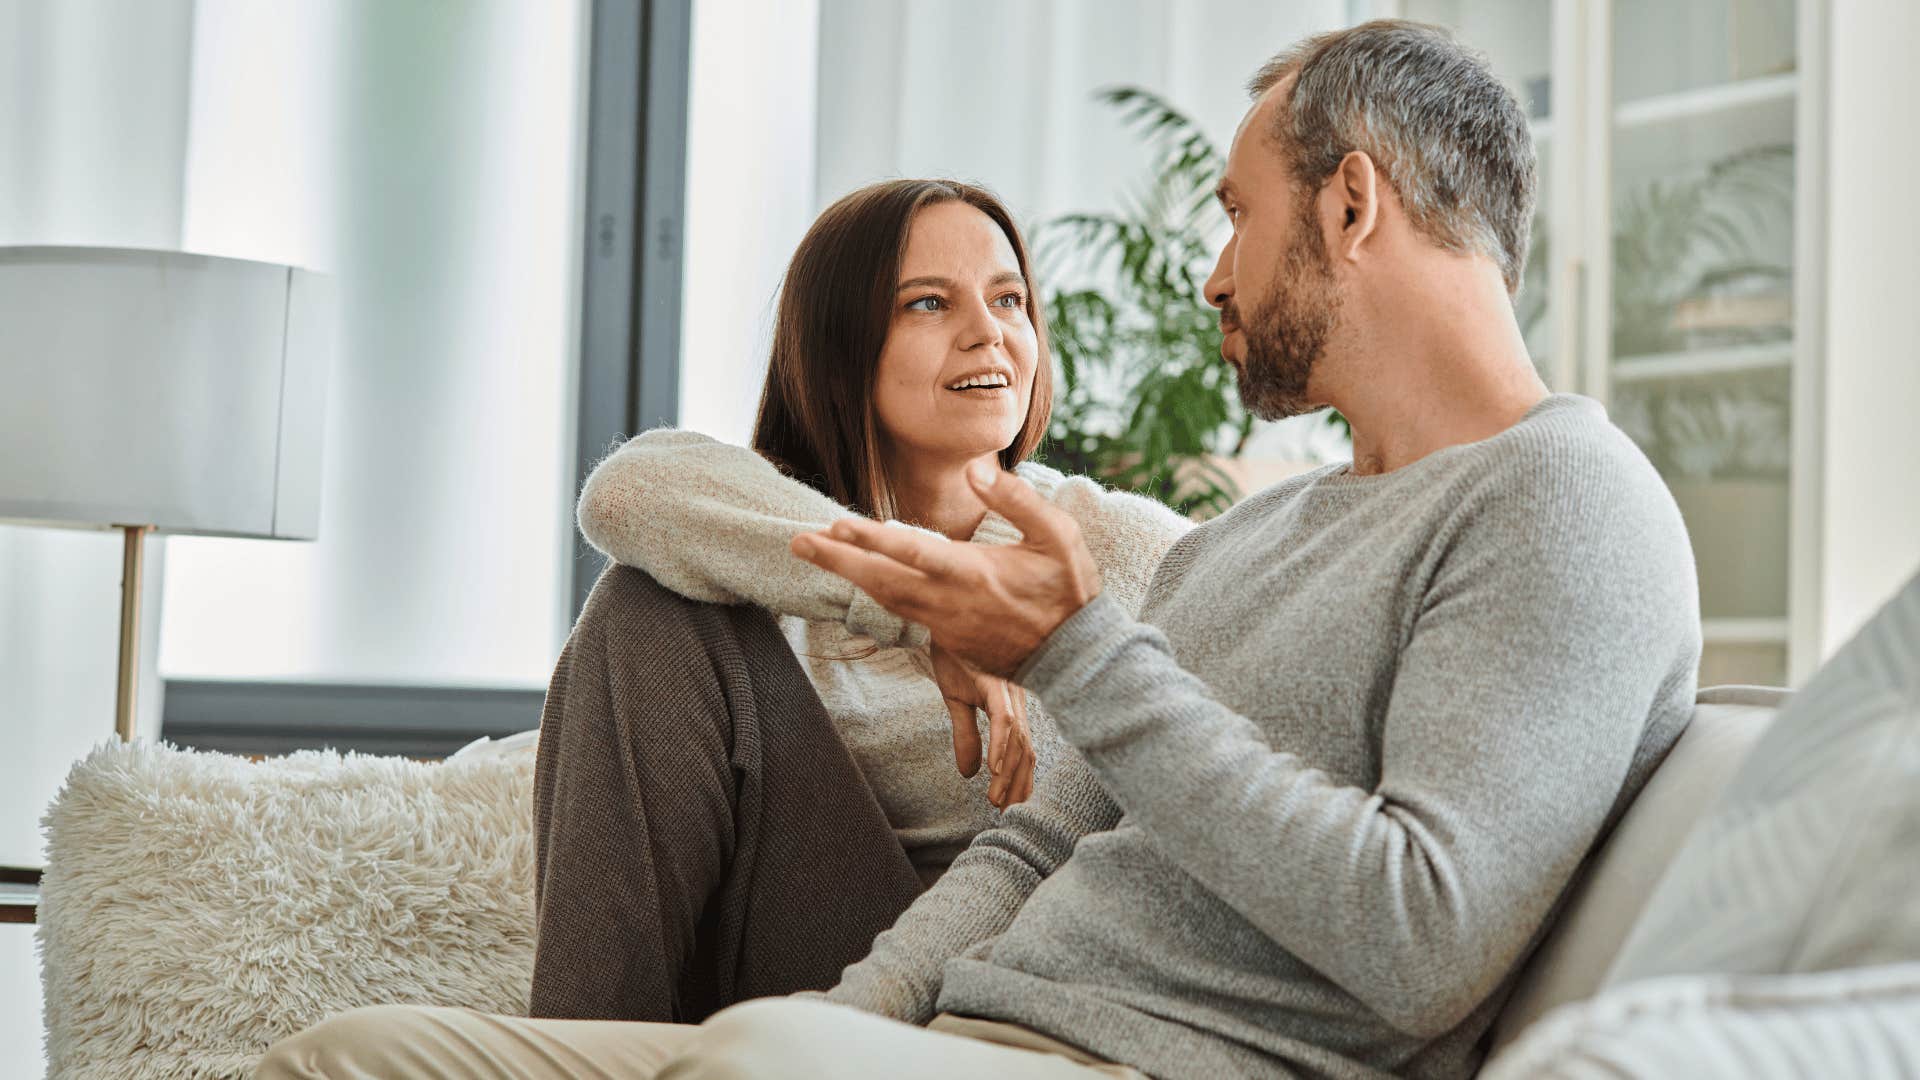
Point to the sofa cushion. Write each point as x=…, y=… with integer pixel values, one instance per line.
x=1602, y=903
x=198, y=906
x=1808, y=860
x=1860, y=1022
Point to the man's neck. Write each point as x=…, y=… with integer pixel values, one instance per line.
x=935, y=495
x=1458, y=377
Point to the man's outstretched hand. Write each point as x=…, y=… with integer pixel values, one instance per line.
x=991, y=606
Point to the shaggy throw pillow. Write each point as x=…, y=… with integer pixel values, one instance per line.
x=196, y=906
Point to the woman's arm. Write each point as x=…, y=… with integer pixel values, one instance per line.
x=712, y=521
x=1127, y=534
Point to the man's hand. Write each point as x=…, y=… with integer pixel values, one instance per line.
x=991, y=606
x=1010, y=756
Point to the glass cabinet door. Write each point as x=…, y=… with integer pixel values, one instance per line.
x=1700, y=351
x=1680, y=211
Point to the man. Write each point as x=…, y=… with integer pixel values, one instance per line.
x=1337, y=776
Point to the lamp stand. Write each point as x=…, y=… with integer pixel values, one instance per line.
x=130, y=589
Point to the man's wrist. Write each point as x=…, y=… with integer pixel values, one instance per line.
x=1082, y=630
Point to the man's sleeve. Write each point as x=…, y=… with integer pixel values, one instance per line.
x=978, y=896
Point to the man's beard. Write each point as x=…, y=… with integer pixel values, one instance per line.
x=1288, y=332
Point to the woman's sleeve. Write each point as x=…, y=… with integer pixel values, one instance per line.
x=712, y=522
x=1127, y=534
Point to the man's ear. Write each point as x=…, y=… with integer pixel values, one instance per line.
x=1356, y=188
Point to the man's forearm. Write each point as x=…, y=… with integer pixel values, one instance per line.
x=978, y=896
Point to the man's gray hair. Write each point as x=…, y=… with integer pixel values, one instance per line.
x=1431, y=113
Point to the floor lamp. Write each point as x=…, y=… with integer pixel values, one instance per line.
x=160, y=391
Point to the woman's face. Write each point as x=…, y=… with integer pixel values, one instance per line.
x=957, y=368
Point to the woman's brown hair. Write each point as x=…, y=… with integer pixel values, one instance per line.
x=817, y=420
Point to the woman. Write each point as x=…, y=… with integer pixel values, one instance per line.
x=729, y=807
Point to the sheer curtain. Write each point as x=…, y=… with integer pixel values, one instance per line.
x=427, y=156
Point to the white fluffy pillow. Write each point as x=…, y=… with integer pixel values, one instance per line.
x=198, y=906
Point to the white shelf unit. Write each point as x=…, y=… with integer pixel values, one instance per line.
x=1691, y=98
x=1745, y=631
x=1712, y=100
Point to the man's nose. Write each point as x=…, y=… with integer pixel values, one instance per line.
x=1219, y=287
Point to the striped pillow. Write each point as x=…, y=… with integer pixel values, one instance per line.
x=1810, y=860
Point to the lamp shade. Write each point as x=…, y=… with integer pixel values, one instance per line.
x=144, y=387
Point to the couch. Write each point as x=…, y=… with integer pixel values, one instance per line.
x=197, y=907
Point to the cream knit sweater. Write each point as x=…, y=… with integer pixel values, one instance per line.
x=712, y=521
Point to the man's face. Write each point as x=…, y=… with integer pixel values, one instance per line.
x=1274, y=286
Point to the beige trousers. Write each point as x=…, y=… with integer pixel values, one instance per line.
x=770, y=1037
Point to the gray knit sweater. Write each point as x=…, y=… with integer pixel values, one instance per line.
x=1341, y=769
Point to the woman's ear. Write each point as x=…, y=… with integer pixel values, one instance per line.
x=1356, y=184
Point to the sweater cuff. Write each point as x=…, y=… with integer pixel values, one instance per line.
x=866, y=616
x=1074, y=646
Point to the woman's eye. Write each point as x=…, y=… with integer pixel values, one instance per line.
x=932, y=304
x=1012, y=300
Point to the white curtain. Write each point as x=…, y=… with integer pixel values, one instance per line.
x=427, y=155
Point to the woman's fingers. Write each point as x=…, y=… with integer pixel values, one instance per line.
x=1024, y=788
x=1001, y=732
x=966, y=737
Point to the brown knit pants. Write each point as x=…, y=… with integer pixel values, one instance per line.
x=703, y=835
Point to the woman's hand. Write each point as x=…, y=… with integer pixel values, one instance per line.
x=1010, y=757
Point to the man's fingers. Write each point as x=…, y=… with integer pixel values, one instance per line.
x=929, y=554
x=1039, y=521
x=882, y=578
x=966, y=737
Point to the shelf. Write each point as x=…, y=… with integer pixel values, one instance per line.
x=1744, y=631
x=1746, y=94
x=1683, y=365
x=1706, y=101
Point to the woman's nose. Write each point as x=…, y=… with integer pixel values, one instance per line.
x=981, y=328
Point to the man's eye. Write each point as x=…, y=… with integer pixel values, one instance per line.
x=932, y=302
